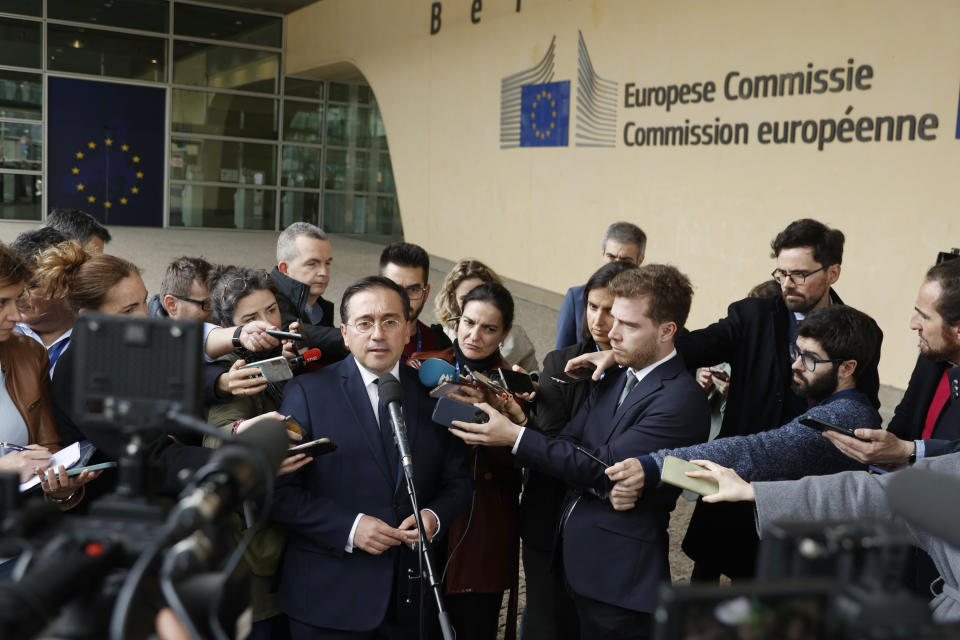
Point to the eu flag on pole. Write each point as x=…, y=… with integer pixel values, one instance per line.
x=545, y=114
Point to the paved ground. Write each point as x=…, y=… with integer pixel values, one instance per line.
x=536, y=309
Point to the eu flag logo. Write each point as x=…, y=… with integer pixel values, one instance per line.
x=545, y=114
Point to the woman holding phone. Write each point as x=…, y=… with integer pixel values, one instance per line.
x=483, y=544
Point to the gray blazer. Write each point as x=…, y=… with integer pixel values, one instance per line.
x=854, y=495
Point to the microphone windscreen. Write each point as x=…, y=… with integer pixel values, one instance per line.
x=312, y=355
x=917, y=496
x=270, y=437
x=433, y=369
x=390, y=390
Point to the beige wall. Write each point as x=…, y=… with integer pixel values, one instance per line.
x=536, y=214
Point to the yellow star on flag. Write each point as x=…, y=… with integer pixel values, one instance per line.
x=79, y=187
x=123, y=201
x=135, y=190
x=107, y=204
x=125, y=147
x=108, y=142
x=91, y=199
x=92, y=145
x=75, y=170
x=79, y=155
x=139, y=174
x=136, y=159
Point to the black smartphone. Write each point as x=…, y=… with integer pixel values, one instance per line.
x=720, y=374
x=517, y=382
x=284, y=335
x=313, y=448
x=821, y=425
x=572, y=377
x=448, y=410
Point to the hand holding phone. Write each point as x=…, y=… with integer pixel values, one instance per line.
x=822, y=425
x=448, y=410
x=313, y=448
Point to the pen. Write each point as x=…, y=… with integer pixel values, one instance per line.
x=14, y=447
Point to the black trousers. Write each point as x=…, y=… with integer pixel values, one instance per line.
x=550, y=613
x=475, y=616
x=610, y=622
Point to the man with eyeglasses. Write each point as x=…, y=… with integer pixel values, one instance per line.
x=184, y=291
x=831, y=343
x=755, y=339
x=409, y=266
x=345, y=570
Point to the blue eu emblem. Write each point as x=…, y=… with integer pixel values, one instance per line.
x=545, y=118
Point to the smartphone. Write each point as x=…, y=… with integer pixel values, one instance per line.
x=486, y=382
x=821, y=425
x=448, y=410
x=284, y=335
x=447, y=388
x=572, y=377
x=292, y=425
x=720, y=374
x=273, y=369
x=674, y=472
x=313, y=448
x=75, y=471
x=517, y=382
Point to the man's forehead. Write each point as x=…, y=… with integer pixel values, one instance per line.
x=810, y=345
x=631, y=309
x=796, y=258
x=404, y=275
x=308, y=247
x=620, y=248
x=375, y=303
x=928, y=297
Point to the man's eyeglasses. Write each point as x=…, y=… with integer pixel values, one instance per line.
x=389, y=325
x=808, y=361
x=796, y=277
x=205, y=304
x=415, y=291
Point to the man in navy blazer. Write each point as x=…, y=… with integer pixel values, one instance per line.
x=349, y=518
x=613, y=561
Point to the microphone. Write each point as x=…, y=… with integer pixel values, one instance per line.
x=306, y=358
x=390, y=395
x=909, y=495
x=234, y=474
x=434, y=372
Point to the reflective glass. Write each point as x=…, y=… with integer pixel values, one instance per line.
x=106, y=53
x=362, y=208
x=21, y=95
x=302, y=121
x=223, y=24
x=362, y=173
x=303, y=88
x=221, y=207
x=388, y=217
x=299, y=206
x=224, y=115
x=146, y=15
x=223, y=161
x=20, y=43
x=210, y=65
x=20, y=196
x=339, y=92
x=346, y=123
x=301, y=167
x=21, y=146
x=23, y=7
x=335, y=170
x=334, y=212
x=384, y=175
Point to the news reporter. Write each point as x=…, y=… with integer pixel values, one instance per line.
x=484, y=543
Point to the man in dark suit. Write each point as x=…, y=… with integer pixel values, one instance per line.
x=304, y=258
x=344, y=571
x=755, y=339
x=622, y=242
x=613, y=561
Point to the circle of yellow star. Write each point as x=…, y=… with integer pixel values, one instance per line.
x=79, y=187
x=79, y=155
x=91, y=199
x=123, y=201
x=75, y=170
x=107, y=204
x=125, y=147
x=136, y=159
x=135, y=190
x=139, y=174
x=108, y=142
x=92, y=145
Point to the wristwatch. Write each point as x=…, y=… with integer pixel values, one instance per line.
x=236, y=337
x=913, y=454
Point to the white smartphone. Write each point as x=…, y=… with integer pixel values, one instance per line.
x=273, y=369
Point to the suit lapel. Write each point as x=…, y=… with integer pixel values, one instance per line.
x=359, y=403
x=650, y=383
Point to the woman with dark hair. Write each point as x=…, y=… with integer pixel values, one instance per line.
x=550, y=612
x=483, y=544
x=27, y=426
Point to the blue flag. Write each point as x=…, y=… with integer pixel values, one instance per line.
x=545, y=114
x=105, y=150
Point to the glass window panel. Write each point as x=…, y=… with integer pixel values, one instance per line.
x=223, y=24
x=224, y=115
x=222, y=207
x=302, y=121
x=301, y=167
x=23, y=7
x=303, y=88
x=299, y=206
x=378, y=133
x=384, y=175
x=388, y=217
x=20, y=43
x=21, y=146
x=209, y=65
x=21, y=95
x=339, y=92
x=362, y=173
x=223, y=161
x=364, y=94
x=338, y=124
x=335, y=170
x=334, y=212
x=147, y=15
x=361, y=209
x=106, y=53
x=360, y=127
x=20, y=196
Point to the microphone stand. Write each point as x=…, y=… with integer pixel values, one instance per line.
x=406, y=460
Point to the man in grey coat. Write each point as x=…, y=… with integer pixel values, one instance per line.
x=851, y=495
